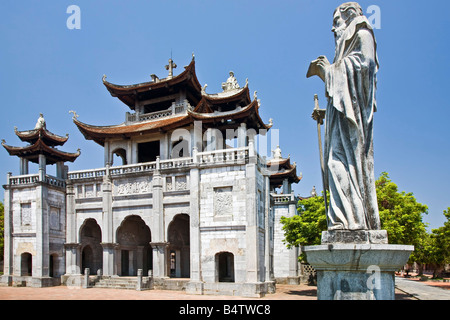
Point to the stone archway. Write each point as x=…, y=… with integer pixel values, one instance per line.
x=179, y=247
x=91, y=249
x=133, y=237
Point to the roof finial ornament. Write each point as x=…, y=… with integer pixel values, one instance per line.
x=271, y=122
x=204, y=89
x=75, y=115
x=170, y=67
x=40, y=122
x=104, y=78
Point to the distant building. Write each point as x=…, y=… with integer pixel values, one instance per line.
x=191, y=198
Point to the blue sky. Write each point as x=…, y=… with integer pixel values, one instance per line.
x=45, y=67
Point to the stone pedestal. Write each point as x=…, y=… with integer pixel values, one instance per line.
x=356, y=271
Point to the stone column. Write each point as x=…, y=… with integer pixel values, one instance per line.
x=107, y=227
x=23, y=166
x=42, y=167
x=293, y=277
x=109, y=261
x=158, y=235
x=195, y=286
x=242, y=135
x=73, y=261
x=41, y=260
x=159, y=259
x=252, y=229
x=8, y=252
x=268, y=229
x=72, y=247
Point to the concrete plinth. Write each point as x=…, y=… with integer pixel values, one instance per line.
x=356, y=271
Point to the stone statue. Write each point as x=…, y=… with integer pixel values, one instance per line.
x=40, y=122
x=231, y=83
x=350, y=85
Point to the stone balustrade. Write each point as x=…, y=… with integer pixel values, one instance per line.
x=282, y=198
x=32, y=178
x=204, y=159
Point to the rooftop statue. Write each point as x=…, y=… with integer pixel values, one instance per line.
x=350, y=86
x=231, y=83
x=40, y=122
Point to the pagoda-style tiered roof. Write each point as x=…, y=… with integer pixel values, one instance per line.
x=282, y=169
x=224, y=110
x=32, y=136
x=41, y=142
x=142, y=92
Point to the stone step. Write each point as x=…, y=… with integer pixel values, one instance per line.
x=119, y=283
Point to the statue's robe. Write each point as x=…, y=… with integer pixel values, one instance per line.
x=350, y=84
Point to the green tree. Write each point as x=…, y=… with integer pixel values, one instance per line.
x=306, y=227
x=438, y=250
x=401, y=215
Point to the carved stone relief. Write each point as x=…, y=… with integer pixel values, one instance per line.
x=223, y=201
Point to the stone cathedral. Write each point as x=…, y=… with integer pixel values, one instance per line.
x=184, y=199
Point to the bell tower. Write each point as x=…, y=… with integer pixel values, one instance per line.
x=35, y=207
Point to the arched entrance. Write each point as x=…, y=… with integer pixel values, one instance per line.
x=119, y=154
x=179, y=247
x=133, y=237
x=225, y=267
x=26, y=264
x=91, y=249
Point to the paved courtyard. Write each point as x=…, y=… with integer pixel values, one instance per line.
x=284, y=292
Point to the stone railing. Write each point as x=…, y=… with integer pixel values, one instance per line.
x=227, y=156
x=282, y=198
x=173, y=110
x=218, y=157
x=32, y=178
x=86, y=174
x=23, y=179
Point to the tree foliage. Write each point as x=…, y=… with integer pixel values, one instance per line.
x=306, y=227
x=437, y=246
x=400, y=214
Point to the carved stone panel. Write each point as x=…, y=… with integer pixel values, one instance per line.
x=135, y=187
x=223, y=201
x=54, y=218
x=25, y=214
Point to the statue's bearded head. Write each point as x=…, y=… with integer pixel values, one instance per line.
x=343, y=16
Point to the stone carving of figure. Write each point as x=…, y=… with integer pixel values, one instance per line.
x=350, y=85
x=40, y=122
x=231, y=83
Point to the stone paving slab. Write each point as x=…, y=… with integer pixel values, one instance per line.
x=421, y=291
x=284, y=292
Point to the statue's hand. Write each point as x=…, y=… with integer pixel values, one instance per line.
x=318, y=67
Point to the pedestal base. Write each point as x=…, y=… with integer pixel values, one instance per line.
x=356, y=271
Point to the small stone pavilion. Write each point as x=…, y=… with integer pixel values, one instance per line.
x=184, y=197
x=35, y=209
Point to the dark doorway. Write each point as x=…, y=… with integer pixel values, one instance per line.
x=148, y=151
x=51, y=266
x=125, y=263
x=26, y=264
x=225, y=266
